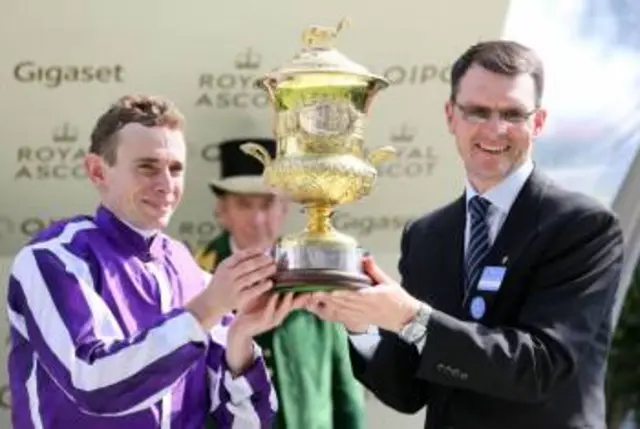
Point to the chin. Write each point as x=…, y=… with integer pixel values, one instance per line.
x=158, y=222
x=163, y=222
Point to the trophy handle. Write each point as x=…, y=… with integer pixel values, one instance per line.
x=257, y=152
x=267, y=84
x=381, y=155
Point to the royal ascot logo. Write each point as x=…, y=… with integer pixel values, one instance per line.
x=418, y=74
x=26, y=227
x=365, y=226
x=61, y=159
x=233, y=89
x=197, y=234
x=32, y=225
x=56, y=76
x=23, y=228
x=413, y=159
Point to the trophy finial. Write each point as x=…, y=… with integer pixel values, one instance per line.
x=317, y=36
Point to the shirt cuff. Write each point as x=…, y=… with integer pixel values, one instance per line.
x=366, y=343
x=253, y=379
x=421, y=343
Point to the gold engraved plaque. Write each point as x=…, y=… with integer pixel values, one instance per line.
x=326, y=119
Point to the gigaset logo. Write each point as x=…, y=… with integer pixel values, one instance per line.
x=54, y=76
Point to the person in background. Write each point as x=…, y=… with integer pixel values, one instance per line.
x=113, y=324
x=307, y=358
x=504, y=316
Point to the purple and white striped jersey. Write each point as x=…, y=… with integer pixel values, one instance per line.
x=99, y=338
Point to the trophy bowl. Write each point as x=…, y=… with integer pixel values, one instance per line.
x=321, y=101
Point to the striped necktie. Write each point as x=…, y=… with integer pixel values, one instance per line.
x=479, y=244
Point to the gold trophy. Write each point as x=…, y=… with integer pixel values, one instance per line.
x=321, y=100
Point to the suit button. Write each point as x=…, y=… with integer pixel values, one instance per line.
x=266, y=353
x=270, y=372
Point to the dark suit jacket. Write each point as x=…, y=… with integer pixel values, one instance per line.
x=537, y=357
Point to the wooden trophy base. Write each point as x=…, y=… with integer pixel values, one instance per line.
x=316, y=280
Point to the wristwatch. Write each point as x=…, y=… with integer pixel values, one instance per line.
x=416, y=328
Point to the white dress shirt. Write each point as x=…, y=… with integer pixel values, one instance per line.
x=501, y=197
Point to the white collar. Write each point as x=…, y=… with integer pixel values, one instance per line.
x=145, y=233
x=504, y=193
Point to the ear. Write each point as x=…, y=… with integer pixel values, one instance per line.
x=539, y=120
x=448, y=112
x=95, y=169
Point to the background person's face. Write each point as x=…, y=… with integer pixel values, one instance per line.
x=253, y=219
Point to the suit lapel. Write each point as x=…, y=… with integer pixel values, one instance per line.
x=521, y=221
x=451, y=256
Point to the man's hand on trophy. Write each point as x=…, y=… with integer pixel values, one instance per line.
x=386, y=305
x=267, y=311
x=322, y=305
x=253, y=318
x=239, y=279
x=242, y=278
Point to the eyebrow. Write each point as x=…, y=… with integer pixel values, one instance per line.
x=472, y=104
x=147, y=160
x=151, y=160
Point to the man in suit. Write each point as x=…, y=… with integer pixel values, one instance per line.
x=504, y=316
x=307, y=357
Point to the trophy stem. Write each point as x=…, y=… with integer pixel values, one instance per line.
x=319, y=219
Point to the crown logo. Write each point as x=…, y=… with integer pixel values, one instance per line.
x=403, y=134
x=65, y=134
x=248, y=60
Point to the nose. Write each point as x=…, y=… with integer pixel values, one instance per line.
x=259, y=225
x=164, y=182
x=495, y=126
x=259, y=218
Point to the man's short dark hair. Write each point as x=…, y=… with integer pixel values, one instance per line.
x=147, y=110
x=500, y=56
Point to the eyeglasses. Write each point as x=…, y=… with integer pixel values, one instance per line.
x=481, y=115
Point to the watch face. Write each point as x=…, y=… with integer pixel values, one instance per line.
x=417, y=328
x=414, y=332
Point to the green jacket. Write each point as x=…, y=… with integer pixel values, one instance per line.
x=309, y=363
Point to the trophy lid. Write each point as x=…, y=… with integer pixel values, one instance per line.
x=318, y=57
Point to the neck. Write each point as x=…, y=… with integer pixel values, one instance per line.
x=482, y=186
x=144, y=232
